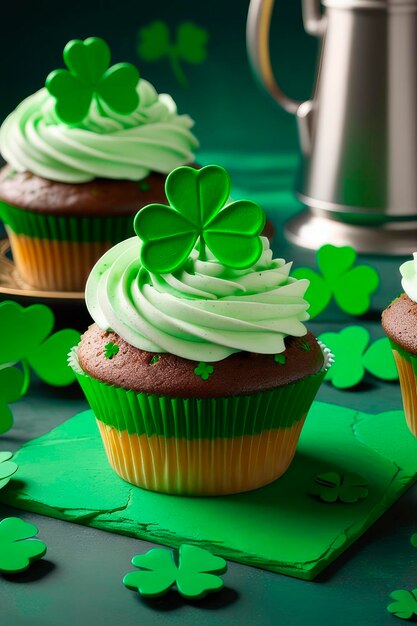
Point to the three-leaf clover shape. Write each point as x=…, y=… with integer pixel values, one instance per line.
x=89, y=76
x=332, y=486
x=195, y=575
x=204, y=370
x=111, y=349
x=405, y=603
x=350, y=286
x=353, y=357
x=12, y=383
x=17, y=547
x=189, y=46
x=199, y=212
x=7, y=468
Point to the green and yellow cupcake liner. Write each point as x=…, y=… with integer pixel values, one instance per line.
x=407, y=372
x=193, y=446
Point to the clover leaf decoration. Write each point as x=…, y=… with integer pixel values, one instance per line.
x=280, y=358
x=110, y=350
x=196, y=574
x=405, y=603
x=189, y=46
x=29, y=342
x=12, y=383
x=89, y=77
x=332, y=486
x=353, y=357
x=18, y=549
x=199, y=212
x=203, y=370
x=7, y=468
x=350, y=285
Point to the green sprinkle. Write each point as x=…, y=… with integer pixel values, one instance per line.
x=305, y=345
x=280, y=358
x=154, y=359
x=110, y=350
x=144, y=186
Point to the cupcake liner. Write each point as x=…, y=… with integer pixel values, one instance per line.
x=109, y=228
x=200, y=446
x=407, y=372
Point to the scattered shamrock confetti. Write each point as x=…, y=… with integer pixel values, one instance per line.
x=18, y=549
x=280, y=358
x=352, y=357
x=331, y=486
x=190, y=46
x=351, y=286
x=196, y=574
x=7, y=468
x=198, y=213
x=11, y=390
x=89, y=77
x=203, y=370
x=27, y=341
x=110, y=350
x=405, y=603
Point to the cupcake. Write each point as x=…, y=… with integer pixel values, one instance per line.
x=399, y=321
x=83, y=155
x=199, y=368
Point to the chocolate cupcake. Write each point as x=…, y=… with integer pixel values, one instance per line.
x=84, y=154
x=199, y=368
x=399, y=321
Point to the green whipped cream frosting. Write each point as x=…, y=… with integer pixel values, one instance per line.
x=105, y=145
x=204, y=311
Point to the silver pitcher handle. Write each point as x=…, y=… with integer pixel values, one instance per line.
x=257, y=37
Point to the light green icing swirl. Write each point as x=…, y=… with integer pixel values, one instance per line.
x=106, y=145
x=203, y=312
x=409, y=278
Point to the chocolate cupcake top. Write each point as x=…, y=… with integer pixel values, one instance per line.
x=96, y=121
x=399, y=319
x=199, y=282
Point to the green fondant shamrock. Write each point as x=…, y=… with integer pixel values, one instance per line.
x=7, y=468
x=196, y=574
x=203, y=370
x=17, y=547
x=12, y=383
x=280, y=358
x=110, y=350
x=352, y=357
x=27, y=341
x=405, y=603
x=351, y=286
x=331, y=486
x=89, y=77
x=190, y=46
x=198, y=213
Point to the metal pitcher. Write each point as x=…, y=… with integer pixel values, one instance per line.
x=358, y=132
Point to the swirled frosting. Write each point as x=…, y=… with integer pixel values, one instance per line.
x=409, y=278
x=203, y=312
x=106, y=145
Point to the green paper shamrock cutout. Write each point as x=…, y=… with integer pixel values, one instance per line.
x=331, y=486
x=190, y=46
x=351, y=287
x=405, y=603
x=7, y=468
x=198, y=213
x=196, y=574
x=280, y=358
x=89, y=77
x=352, y=359
x=110, y=350
x=18, y=549
x=27, y=341
x=12, y=383
x=203, y=370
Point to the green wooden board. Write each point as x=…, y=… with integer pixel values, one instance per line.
x=281, y=527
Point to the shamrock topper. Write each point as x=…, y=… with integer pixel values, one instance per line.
x=203, y=370
x=7, y=468
x=405, y=603
x=190, y=45
x=196, y=574
x=17, y=548
x=11, y=390
x=352, y=357
x=350, y=286
x=89, y=77
x=332, y=486
x=198, y=213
